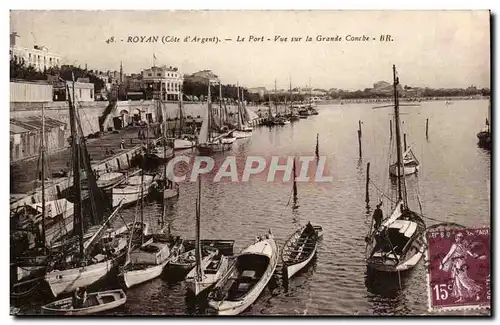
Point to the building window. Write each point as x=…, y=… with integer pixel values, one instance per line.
x=149, y=74
x=158, y=74
x=80, y=92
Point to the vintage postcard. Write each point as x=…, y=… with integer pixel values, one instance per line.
x=251, y=163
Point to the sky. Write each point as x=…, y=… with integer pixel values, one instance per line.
x=438, y=49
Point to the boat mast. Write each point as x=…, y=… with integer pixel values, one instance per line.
x=75, y=141
x=142, y=206
x=239, y=107
x=398, y=132
x=181, y=116
x=275, y=99
x=42, y=152
x=291, y=96
x=199, y=271
x=220, y=103
x=209, y=104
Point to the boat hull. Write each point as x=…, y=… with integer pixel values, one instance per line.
x=197, y=287
x=65, y=306
x=231, y=308
x=135, y=277
x=408, y=170
x=180, y=144
x=293, y=269
x=242, y=134
x=66, y=281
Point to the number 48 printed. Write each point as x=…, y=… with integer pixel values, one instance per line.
x=442, y=291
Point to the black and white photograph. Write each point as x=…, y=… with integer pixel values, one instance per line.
x=250, y=163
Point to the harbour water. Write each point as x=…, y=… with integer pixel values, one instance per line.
x=453, y=183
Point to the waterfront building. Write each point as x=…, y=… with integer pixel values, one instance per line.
x=168, y=79
x=38, y=57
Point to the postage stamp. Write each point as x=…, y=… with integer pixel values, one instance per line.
x=458, y=269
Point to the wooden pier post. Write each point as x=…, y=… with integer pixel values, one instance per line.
x=390, y=127
x=427, y=128
x=317, y=145
x=359, y=139
x=404, y=140
x=367, y=200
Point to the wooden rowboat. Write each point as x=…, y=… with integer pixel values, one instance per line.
x=245, y=280
x=299, y=249
x=96, y=302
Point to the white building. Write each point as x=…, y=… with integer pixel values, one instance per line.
x=168, y=79
x=39, y=56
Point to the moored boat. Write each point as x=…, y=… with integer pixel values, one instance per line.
x=209, y=270
x=299, y=249
x=397, y=243
x=410, y=165
x=96, y=302
x=130, y=190
x=245, y=280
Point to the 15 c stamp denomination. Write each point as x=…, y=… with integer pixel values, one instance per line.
x=459, y=269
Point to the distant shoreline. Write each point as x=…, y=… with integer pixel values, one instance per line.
x=412, y=99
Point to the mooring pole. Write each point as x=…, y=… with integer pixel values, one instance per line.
x=359, y=139
x=367, y=200
x=427, y=128
x=317, y=145
x=390, y=127
x=404, y=139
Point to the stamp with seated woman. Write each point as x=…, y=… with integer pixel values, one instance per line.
x=459, y=269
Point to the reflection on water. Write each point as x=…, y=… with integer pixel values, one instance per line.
x=452, y=183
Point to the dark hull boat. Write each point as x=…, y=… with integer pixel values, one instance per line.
x=299, y=249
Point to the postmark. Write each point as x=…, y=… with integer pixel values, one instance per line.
x=458, y=269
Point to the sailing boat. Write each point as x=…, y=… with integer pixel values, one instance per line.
x=397, y=244
x=207, y=142
x=242, y=130
x=165, y=188
x=51, y=220
x=210, y=269
x=182, y=141
x=292, y=116
x=148, y=260
x=310, y=106
x=410, y=165
x=484, y=136
x=88, y=263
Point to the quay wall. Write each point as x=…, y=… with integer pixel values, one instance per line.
x=90, y=112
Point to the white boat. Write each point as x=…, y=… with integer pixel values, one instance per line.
x=246, y=278
x=125, y=229
x=109, y=179
x=146, y=262
x=66, y=281
x=410, y=165
x=130, y=190
x=163, y=152
x=398, y=244
x=242, y=134
x=213, y=268
x=299, y=249
x=96, y=302
x=228, y=139
x=180, y=144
